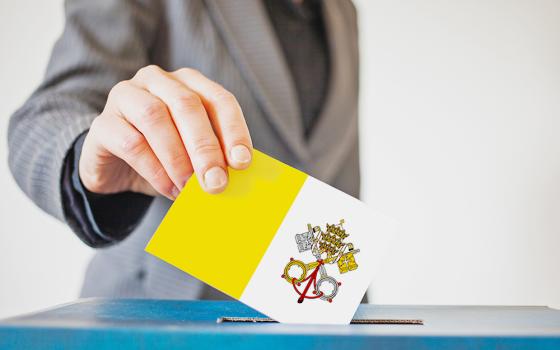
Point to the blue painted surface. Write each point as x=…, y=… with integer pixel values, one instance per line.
x=158, y=324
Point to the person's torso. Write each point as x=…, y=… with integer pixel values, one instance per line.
x=234, y=43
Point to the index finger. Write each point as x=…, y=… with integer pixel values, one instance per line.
x=224, y=113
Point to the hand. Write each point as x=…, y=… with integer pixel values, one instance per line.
x=158, y=128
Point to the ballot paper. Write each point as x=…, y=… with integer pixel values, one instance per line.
x=278, y=240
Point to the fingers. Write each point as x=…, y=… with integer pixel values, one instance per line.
x=150, y=116
x=120, y=138
x=174, y=124
x=193, y=124
x=225, y=115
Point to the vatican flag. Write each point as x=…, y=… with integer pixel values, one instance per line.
x=278, y=240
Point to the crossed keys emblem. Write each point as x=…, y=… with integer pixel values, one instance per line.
x=311, y=280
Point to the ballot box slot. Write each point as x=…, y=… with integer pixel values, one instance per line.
x=228, y=319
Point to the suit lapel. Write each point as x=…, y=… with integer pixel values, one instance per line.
x=251, y=40
x=336, y=129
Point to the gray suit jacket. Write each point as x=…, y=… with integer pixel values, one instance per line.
x=231, y=42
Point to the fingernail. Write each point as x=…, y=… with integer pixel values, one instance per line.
x=175, y=192
x=240, y=154
x=215, y=178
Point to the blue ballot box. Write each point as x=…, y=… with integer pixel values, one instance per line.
x=159, y=324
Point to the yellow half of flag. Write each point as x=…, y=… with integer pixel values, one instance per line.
x=220, y=239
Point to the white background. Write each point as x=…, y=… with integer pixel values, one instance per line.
x=460, y=143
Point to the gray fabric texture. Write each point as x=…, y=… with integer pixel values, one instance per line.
x=92, y=216
x=231, y=42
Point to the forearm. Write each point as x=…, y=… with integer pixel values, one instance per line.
x=86, y=62
x=39, y=137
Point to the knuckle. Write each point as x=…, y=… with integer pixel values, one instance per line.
x=100, y=124
x=206, y=147
x=223, y=96
x=158, y=178
x=152, y=112
x=95, y=124
x=147, y=71
x=133, y=144
x=187, y=102
x=157, y=174
x=152, y=68
x=238, y=131
x=178, y=159
x=118, y=87
x=186, y=71
x=122, y=84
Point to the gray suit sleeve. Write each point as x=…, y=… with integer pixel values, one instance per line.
x=103, y=42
